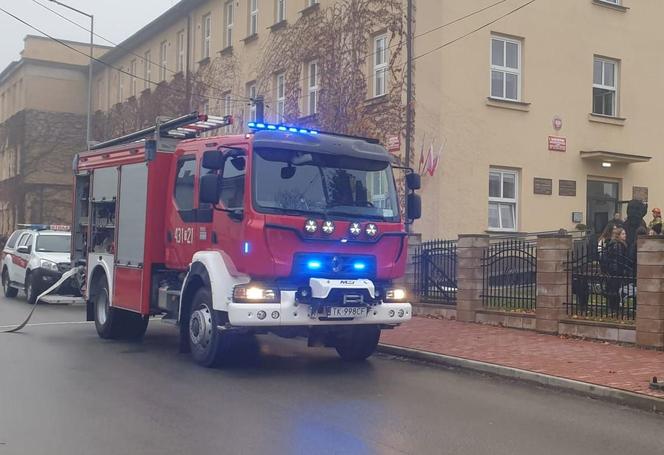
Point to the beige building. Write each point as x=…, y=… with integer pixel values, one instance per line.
x=548, y=117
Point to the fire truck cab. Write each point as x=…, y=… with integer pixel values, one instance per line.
x=284, y=230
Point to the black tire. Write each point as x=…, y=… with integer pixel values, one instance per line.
x=209, y=347
x=358, y=343
x=31, y=292
x=9, y=291
x=108, y=321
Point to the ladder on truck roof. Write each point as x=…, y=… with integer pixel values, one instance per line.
x=180, y=128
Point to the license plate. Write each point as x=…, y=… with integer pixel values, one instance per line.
x=346, y=312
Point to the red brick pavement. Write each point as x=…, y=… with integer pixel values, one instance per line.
x=610, y=365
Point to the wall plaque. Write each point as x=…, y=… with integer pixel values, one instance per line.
x=640, y=193
x=567, y=188
x=543, y=186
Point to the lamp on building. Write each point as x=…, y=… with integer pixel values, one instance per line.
x=606, y=164
x=92, y=34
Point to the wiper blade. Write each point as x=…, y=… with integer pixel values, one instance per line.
x=299, y=212
x=359, y=215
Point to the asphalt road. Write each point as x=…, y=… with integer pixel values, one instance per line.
x=65, y=391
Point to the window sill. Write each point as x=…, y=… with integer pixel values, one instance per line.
x=311, y=118
x=228, y=50
x=502, y=231
x=376, y=100
x=250, y=38
x=279, y=25
x=204, y=61
x=606, y=119
x=310, y=9
x=613, y=6
x=508, y=104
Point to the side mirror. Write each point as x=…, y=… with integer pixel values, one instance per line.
x=23, y=249
x=209, y=191
x=414, y=207
x=213, y=159
x=413, y=181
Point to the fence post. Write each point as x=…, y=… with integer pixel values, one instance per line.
x=552, y=279
x=650, y=292
x=470, y=249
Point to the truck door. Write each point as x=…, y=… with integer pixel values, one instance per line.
x=20, y=260
x=182, y=230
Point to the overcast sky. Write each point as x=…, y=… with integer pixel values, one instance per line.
x=114, y=19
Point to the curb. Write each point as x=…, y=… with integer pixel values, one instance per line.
x=623, y=397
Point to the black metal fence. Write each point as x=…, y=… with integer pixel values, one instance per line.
x=509, y=271
x=601, y=281
x=436, y=272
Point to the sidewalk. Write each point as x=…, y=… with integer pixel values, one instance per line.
x=618, y=367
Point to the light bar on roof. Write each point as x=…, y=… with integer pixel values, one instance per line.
x=272, y=127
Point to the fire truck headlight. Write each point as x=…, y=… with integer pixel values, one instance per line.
x=255, y=294
x=395, y=295
x=328, y=227
x=355, y=229
x=371, y=230
x=310, y=226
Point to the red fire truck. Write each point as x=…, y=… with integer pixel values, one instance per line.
x=283, y=230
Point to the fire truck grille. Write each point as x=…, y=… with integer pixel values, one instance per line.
x=334, y=266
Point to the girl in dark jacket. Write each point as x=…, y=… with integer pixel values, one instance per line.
x=616, y=262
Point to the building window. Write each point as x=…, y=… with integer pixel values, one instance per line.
x=253, y=17
x=613, y=2
x=100, y=94
x=380, y=66
x=605, y=87
x=132, y=83
x=180, y=43
x=311, y=3
x=121, y=84
x=163, y=60
x=312, y=88
x=228, y=104
x=281, y=96
x=251, y=94
x=207, y=30
x=502, y=200
x=147, y=70
x=281, y=10
x=228, y=24
x=505, y=69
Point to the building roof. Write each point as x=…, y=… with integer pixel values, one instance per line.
x=172, y=15
x=77, y=43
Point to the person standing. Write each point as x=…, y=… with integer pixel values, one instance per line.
x=617, y=221
x=655, y=226
x=615, y=264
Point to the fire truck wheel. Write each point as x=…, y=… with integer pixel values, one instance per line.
x=208, y=345
x=133, y=325
x=358, y=343
x=108, y=320
x=8, y=290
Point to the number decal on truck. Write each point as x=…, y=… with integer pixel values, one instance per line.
x=184, y=235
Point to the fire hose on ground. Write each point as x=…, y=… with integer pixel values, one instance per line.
x=61, y=281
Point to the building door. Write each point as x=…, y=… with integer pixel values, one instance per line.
x=602, y=202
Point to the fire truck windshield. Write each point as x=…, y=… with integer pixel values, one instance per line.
x=323, y=184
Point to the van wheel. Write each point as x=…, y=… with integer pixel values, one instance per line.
x=8, y=290
x=30, y=292
x=209, y=347
x=358, y=343
x=107, y=320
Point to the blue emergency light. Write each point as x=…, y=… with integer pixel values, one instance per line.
x=314, y=265
x=271, y=127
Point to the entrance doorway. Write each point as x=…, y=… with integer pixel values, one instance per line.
x=602, y=199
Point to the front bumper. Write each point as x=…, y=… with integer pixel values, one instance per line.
x=44, y=279
x=290, y=313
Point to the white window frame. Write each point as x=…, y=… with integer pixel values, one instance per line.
x=505, y=69
x=147, y=70
x=229, y=19
x=253, y=17
x=121, y=84
x=380, y=64
x=503, y=200
x=251, y=94
x=180, y=51
x=614, y=88
x=612, y=2
x=206, y=31
x=132, y=83
x=280, y=6
x=280, y=92
x=228, y=103
x=312, y=89
x=312, y=3
x=163, y=60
